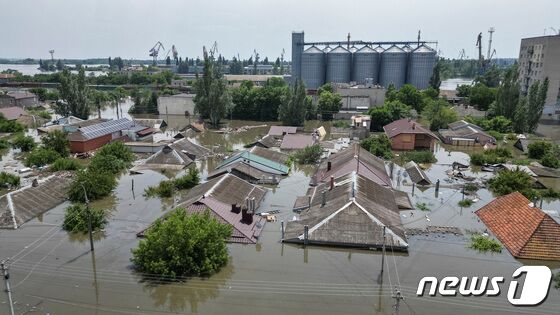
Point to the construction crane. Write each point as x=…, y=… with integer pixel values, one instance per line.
x=154, y=52
x=214, y=49
x=491, y=31
x=556, y=32
x=52, y=54
x=462, y=54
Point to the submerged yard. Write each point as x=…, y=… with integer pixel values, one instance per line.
x=54, y=272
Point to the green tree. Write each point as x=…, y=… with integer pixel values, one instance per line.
x=440, y=114
x=508, y=181
x=386, y=114
x=183, y=245
x=410, y=96
x=24, y=143
x=435, y=80
x=309, y=155
x=212, y=98
x=491, y=77
x=520, y=117
x=507, y=95
x=482, y=96
x=57, y=141
x=535, y=104
x=40, y=157
x=539, y=148
x=76, y=219
x=59, y=65
x=464, y=90
x=97, y=185
x=550, y=159
x=329, y=104
x=379, y=146
x=391, y=93
x=292, y=110
x=74, y=92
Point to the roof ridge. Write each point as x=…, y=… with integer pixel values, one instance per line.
x=544, y=215
x=231, y=223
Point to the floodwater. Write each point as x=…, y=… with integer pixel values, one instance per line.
x=53, y=272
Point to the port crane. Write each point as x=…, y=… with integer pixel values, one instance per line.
x=482, y=62
x=154, y=51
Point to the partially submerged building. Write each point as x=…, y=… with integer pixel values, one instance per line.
x=232, y=201
x=269, y=154
x=353, y=159
x=407, y=134
x=416, y=174
x=193, y=150
x=523, y=144
x=151, y=122
x=466, y=134
x=267, y=141
x=179, y=104
x=252, y=167
x=297, y=141
x=525, y=230
x=282, y=130
x=24, y=204
x=173, y=156
x=350, y=211
x=94, y=136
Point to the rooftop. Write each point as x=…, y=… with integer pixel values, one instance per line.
x=406, y=126
x=100, y=129
x=169, y=156
x=20, y=94
x=12, y=113
x=256, y=161
x=296, y=141
x=281, y=130
x=269, y=154
x=190, y=148
x=525, y=230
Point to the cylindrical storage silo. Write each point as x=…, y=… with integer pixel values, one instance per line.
x=365, y=64
x=393, y=67
x=327, y=49
x=313, y=67
x=421, y=66
x=339, y=63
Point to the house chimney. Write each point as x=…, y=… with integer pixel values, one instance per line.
x=332, y=183
x=329, y=166
x=252, y=205
x=235, y=208
x=247, y=203
x=413, y=126
x=323, y=198
x=246, y=217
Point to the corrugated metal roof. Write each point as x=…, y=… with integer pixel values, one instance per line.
x=104, y=128
x=339, y=50
x=272, y=155
x=379, y=49
x=366, y=49
x=313, y=50
x=423, y=49
x=406, y=126
x=255, y=160
x=394, y=49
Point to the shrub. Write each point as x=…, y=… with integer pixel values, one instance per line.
x=508, y=181
x=65, y=164
x=118, y=150
x=419, y=156
x=4, y=144
x=187, y=181
x=57, y=141
x=10, y=126
x=465, y=203
x=24, y=143
x=379, y=146
x=309, y=155
x=511, y=136
x=341, y=124
x=183, y=245
x=492, y=156
x=470, y=187
x=549, y=159
x=549, y=194
x=422, y=206
x=107, y=163
x=538, y=149
x=96, y=184
x=496, y=134
x=556, y=280
x=485, y=244
x=163, y=190
x=76, y=218
x=40, y=157
x=9, y=180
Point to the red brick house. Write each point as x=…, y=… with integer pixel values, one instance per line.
x=525, y=230
x=406, y=134
x=91, y=137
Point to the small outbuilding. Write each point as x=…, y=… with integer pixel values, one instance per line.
x=407, y=134
x=464, y=133
x=416, y=174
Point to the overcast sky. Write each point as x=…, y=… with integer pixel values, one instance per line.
x=129, y=28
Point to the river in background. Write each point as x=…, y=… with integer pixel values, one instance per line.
x=33, y=69
x=452, y=84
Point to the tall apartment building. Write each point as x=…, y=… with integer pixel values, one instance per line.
x=539, y=58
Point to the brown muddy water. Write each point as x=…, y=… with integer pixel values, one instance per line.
x=53, y=272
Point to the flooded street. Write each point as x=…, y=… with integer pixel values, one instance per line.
x=53, y=272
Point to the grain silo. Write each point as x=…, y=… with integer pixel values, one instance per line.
x=365, y=64
x=393, y=67
x=313, y=67
x=339, y=63
x=421, y=66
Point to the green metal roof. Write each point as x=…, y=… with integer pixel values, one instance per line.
x=255, y=159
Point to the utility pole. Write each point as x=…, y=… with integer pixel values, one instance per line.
x=383, y=250
x=398, y=297
x=3, y=265
x=90, y=230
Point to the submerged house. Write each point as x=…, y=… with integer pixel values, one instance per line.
x=253, y=167
x=232, y=201
x=416, y=174
x=525, y=230
x=88, y=138
x=353, y=159
x=464, y=133
x=350, y=211
x=282, y=130
x=174, y=156
x=24, y=204
x=297, y=141
x=193, y=150
x=406, y=134
x=269, y=154
x=267, y=141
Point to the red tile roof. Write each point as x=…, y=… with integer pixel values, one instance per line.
x=406, y=126
x=11, y=113
x=526, y=231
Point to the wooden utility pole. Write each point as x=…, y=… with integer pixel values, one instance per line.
x=4, y=267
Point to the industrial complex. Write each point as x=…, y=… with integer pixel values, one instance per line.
x=362, y=62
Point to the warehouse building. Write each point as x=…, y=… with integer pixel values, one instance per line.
x=91, y=137
x=18, y=98
x=178, y=104
x=382, y=63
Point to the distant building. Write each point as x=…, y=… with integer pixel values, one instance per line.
x=12, y=113
x=525, y=230
x=464, y=133
x=406, y=134
x=539, y=58
x=91, y=137
x=361, y=121
x=5, y=77
x=178, y=104
x=297, y=141
x=18, y=98
x=360, y=97
x=261, y=69
x=234, y=80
